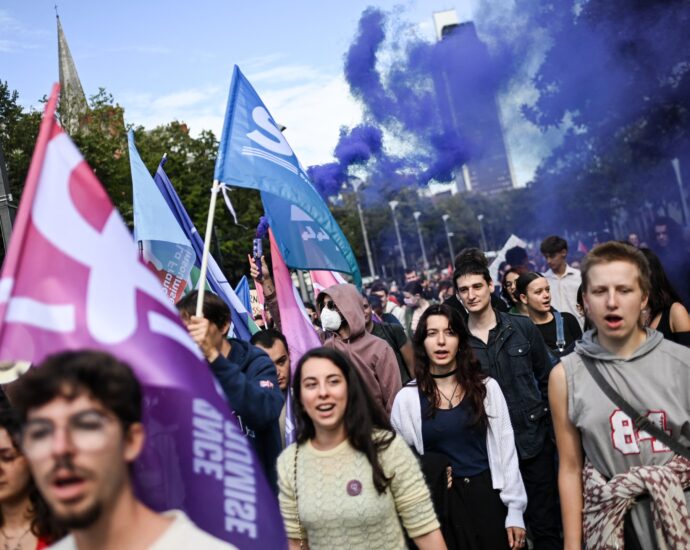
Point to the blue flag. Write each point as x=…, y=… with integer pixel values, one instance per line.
x=242, y=292
x=253, y=153
x=163, y=246
x=243, y=325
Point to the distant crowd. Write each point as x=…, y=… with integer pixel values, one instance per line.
x=548, y=407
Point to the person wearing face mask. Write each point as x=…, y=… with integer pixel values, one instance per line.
x=342, y=319
x=415, y=305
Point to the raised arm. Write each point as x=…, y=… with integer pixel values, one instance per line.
x=269, y=289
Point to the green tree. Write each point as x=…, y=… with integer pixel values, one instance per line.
x=616, y=77
x=18, y=132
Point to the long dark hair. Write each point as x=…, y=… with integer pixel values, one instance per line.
x=362, y=414
x=43, y=524
x=468, y=374
x=662, y=294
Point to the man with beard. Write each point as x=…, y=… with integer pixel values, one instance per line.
x=82, y=432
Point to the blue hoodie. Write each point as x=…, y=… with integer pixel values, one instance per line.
x=249, y=380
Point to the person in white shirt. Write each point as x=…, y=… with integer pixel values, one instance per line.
x=564, y=280
x=82, y=431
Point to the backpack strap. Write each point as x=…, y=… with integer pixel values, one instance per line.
x=560, y=333
x=641, y=421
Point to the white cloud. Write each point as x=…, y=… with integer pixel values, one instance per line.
x=312, y=105
x=200, y=108
x=260, y=62
x=8, y=23
x=313, y=114
x=288, y=73
x=141, y=49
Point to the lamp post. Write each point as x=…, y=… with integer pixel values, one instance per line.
x=421, y=241
x=679, y=179
x=356, y=184
x=445, y=218
x=393, y=205
x=480, y=217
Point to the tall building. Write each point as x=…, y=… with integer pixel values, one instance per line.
x=73, y=104
x=466, y=88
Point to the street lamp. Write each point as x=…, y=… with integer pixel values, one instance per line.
x=445, y=218
x=480, y=217
x=393, y=205
x=421, y=241
x=356, y=184
x=679, y=180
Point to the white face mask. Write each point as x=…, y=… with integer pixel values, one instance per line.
x=330, y=320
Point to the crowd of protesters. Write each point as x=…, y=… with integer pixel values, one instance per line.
x=547, y=408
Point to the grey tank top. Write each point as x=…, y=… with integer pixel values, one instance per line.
x=656, y=384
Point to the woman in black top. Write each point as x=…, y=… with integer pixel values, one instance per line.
x=535, y=293
x=666, y=313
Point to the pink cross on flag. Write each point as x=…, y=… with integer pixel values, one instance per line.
x=72, y=279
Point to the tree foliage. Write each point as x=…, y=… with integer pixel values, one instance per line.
x=102, y=140
x=18, y=132
x=616, y=79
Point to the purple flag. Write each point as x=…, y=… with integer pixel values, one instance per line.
x=72, y=279
x=299, y=332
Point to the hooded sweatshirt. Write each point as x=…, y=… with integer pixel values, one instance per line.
x=655, y=380
x=374, y=359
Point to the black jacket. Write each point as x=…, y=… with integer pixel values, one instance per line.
x=517, y=358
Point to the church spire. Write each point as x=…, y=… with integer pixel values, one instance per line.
x=72, y=99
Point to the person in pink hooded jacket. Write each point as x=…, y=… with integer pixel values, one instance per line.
x=342, y=319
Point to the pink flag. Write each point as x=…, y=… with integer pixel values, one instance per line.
x=72, y=279
x=321, y=280
x=581, y=247
x=294, y=319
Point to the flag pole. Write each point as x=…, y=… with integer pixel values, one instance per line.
x=207, y=249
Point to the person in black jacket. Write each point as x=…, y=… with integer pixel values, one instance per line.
x=512, y=351
x=474, y=255
x=246, y=374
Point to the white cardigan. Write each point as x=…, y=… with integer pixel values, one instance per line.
x=406, y=418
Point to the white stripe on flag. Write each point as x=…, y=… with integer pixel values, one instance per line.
x=253, y=152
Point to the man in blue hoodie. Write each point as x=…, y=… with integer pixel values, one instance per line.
x=246, y=374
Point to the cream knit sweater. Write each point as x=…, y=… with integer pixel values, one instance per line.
x=339, y=506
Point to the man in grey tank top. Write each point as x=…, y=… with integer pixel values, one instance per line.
x=653, y=375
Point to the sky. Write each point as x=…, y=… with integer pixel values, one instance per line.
x=172, y=60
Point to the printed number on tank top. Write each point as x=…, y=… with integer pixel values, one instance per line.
x=627, y=439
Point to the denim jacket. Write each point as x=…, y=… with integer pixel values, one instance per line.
x=517, y=358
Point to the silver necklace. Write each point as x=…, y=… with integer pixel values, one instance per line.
x=8, y=539
x=450, y=400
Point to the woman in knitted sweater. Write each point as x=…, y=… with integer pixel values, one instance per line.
x=458, y=418
x=348, y=479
